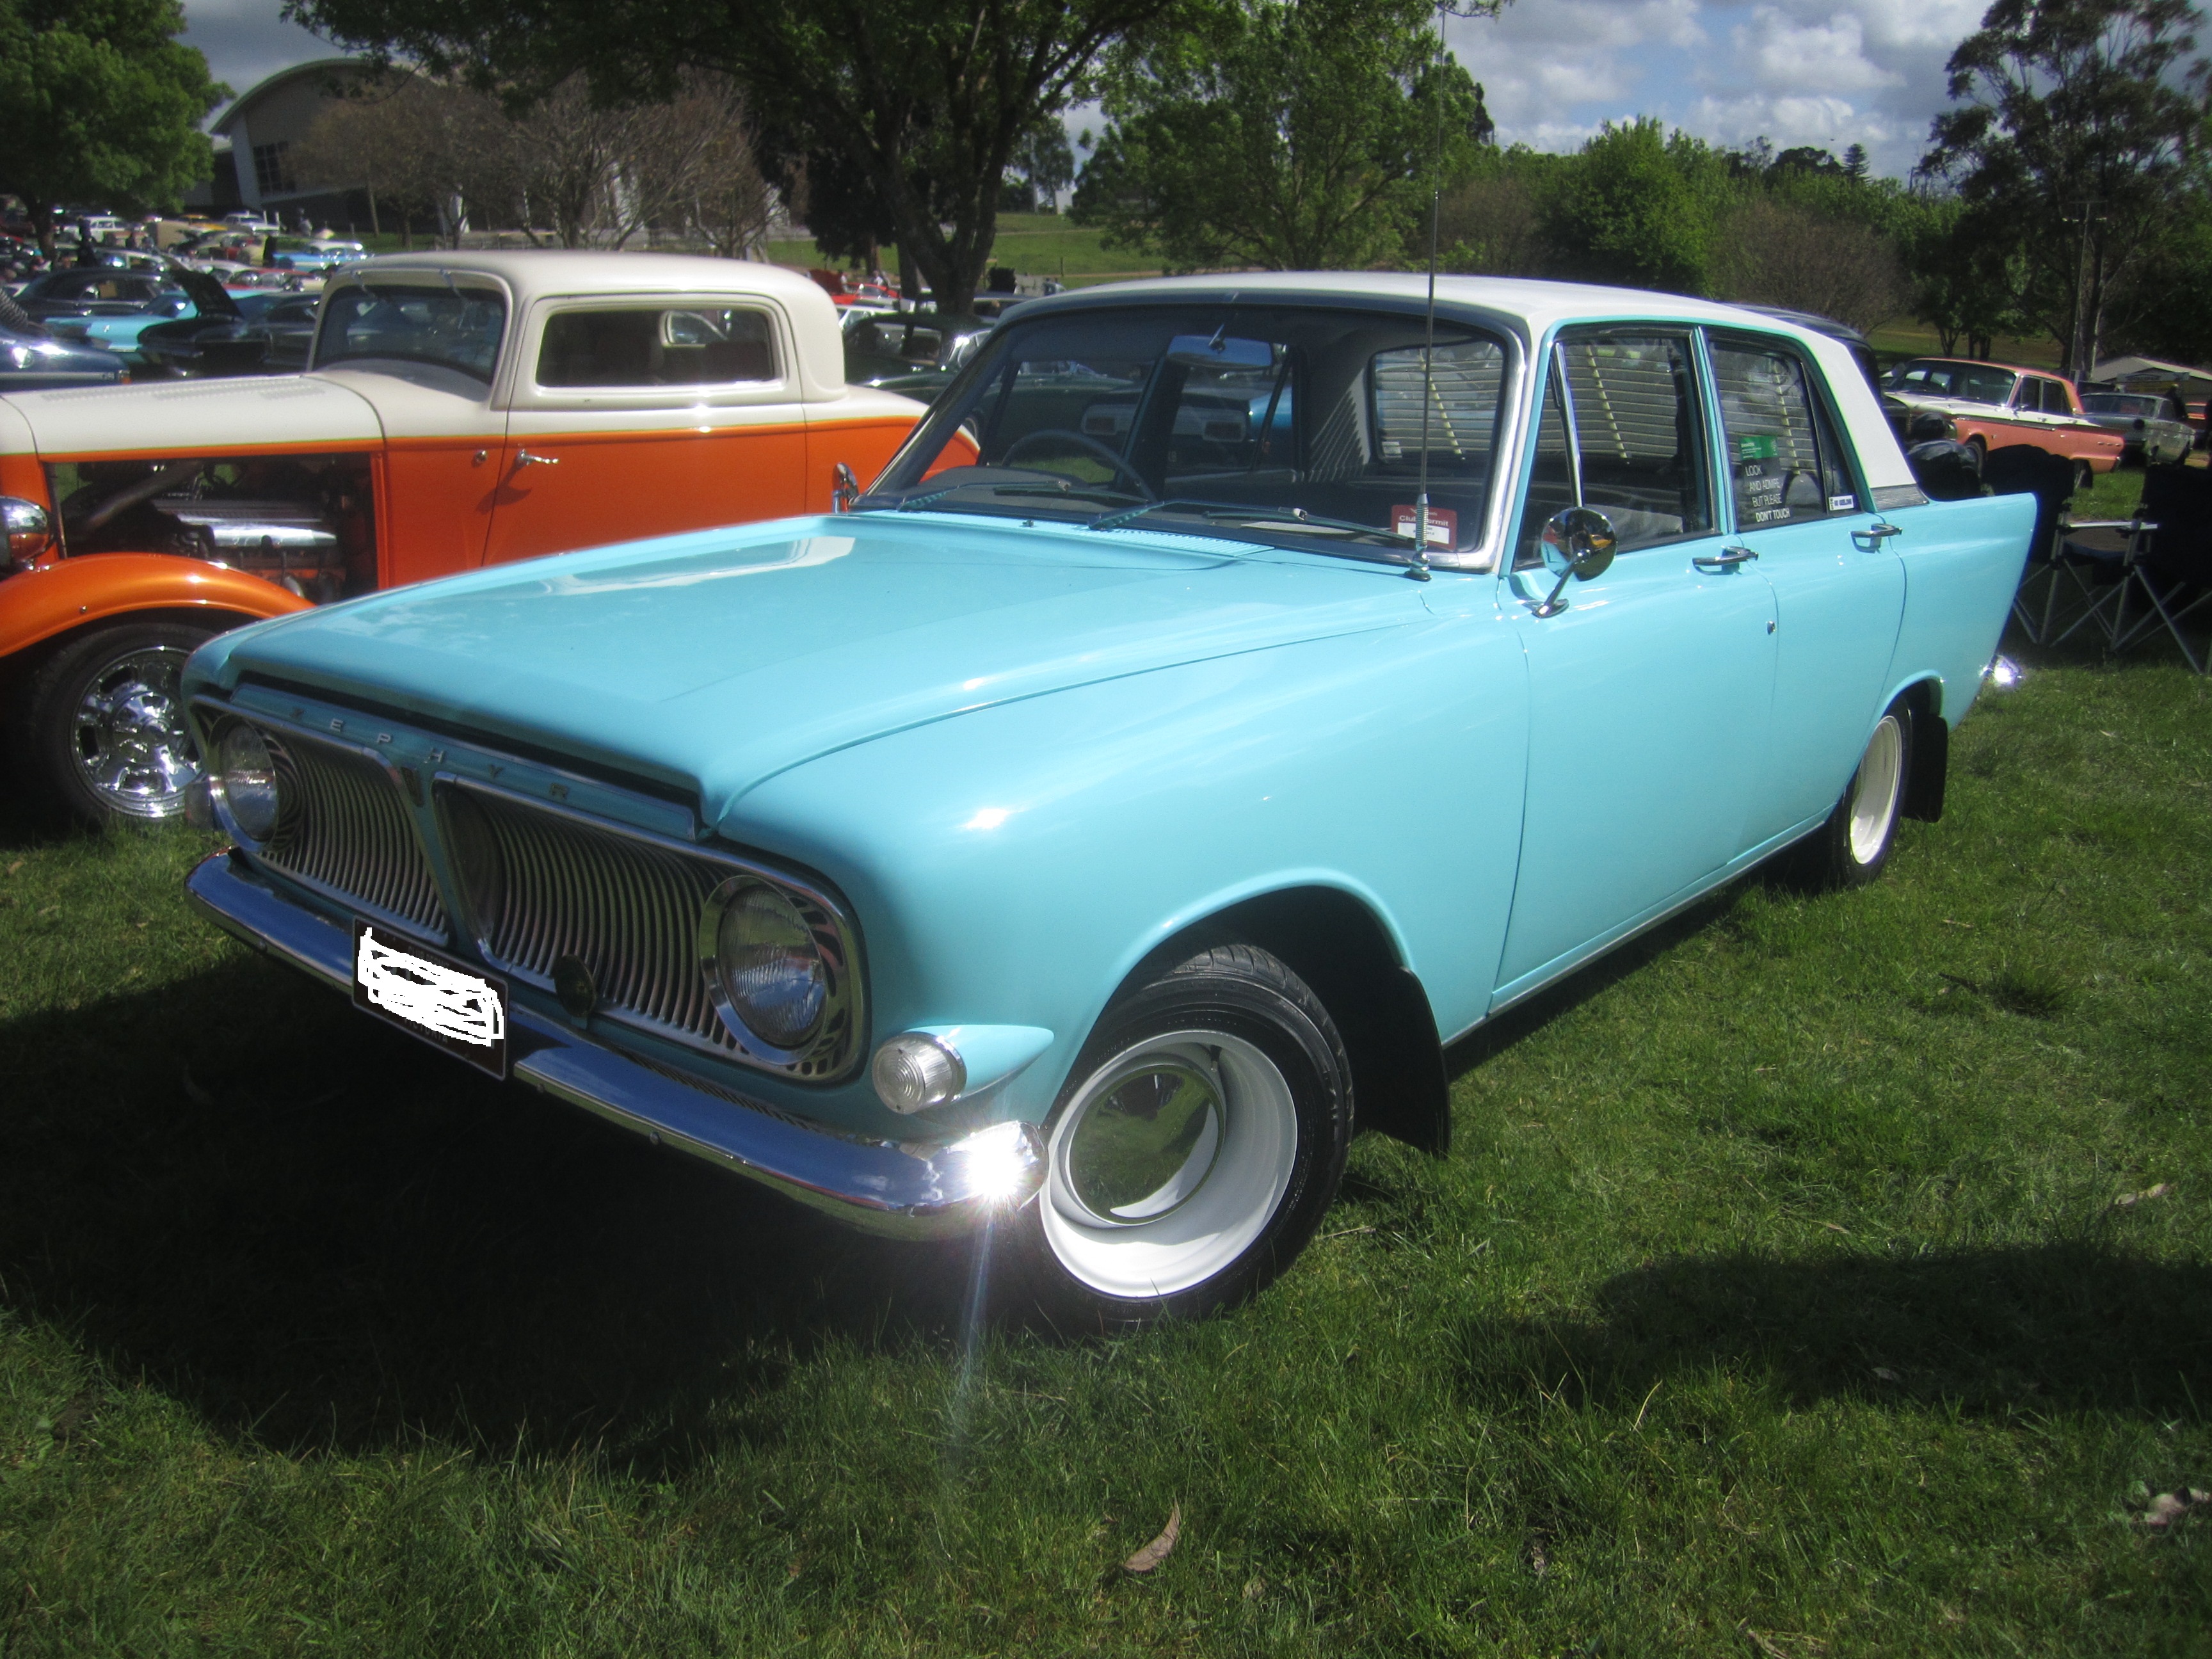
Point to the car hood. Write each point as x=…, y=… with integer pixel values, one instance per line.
x=712, y=661
x=172, y=417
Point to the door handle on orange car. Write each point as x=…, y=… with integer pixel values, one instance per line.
x=522, y=458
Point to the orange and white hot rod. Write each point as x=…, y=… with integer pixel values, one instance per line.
x=460, y=410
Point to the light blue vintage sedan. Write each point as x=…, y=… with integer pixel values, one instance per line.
x=1237, y=689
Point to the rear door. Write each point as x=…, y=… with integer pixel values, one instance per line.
x=1795, y=499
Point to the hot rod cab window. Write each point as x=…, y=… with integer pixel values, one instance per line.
x=656, y=345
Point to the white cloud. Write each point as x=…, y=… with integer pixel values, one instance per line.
x=1830, y=73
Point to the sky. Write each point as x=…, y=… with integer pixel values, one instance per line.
x=1829, y=73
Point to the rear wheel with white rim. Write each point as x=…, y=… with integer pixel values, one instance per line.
x=1851, y=848
x=1200, y=1139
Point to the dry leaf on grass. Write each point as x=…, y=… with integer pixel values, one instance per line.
x=2144, y=1196
x=1159, y=1550
x=1781, y=1643
x=2169, y=1507
x=14, y=867
x=1887, y=1374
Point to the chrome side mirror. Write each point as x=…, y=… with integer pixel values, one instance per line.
x=29, y=529
x=847, y=489
x=1578, y=544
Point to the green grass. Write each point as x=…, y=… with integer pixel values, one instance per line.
x=1775, y=1301
x=1034, y=244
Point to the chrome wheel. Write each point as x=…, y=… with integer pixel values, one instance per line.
x=128, y=737
x=1168, y=1164
x=1874, y=795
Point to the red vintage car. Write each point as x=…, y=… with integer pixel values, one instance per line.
x=1991, y=405
x=462, y=409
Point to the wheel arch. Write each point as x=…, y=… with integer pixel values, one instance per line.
x=1336, y=942
x=60, y=601
x=1930, y=751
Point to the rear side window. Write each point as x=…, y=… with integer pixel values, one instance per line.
x=653, y=345
x=1785, y=463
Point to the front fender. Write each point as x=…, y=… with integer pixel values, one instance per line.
x=39, y=605
x=1013, y=865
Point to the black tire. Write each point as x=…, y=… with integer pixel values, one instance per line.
x=1057, y=1259
x=129, y=765
x=1851, y=848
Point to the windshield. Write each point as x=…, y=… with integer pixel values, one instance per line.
x=2123, y=402
x=1295, y=426
x=449, y=327
x=1972, y=383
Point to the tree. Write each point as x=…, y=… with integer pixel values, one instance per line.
x=1639, y=208
x=1285, y=134
x=922, y=101
x=99, y=103
x=1043, y=166
x=1772, y=251
x=1967, y=271
x=2083, y=122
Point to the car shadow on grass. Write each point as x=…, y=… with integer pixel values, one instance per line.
x=317, y=1232
x=1997, y=1330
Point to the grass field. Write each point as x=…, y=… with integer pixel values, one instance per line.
x=1820, y=1276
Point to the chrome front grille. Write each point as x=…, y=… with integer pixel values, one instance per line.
x=541, y=885
x=346, y=828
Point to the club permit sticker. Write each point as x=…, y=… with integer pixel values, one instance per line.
x=1757, y=447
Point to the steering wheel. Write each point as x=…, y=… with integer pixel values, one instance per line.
x=1090, y=446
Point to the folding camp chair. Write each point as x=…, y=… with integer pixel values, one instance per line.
x=2173, y=573
x=2023, y=469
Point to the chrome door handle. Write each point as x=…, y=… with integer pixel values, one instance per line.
x=1723, y=560
x=524, y=458
x=1875, y=534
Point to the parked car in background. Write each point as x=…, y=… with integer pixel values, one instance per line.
x=1989, y=405
x=270, y=332
x=88, y=291
x=2153, y=426
x=462, y=409
x=38, y=362
x=1128, y=801
x=915, y=353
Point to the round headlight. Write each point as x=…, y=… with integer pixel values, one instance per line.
x=247, y=772
x=769, y=967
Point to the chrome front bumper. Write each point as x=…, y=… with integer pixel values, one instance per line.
x=880, y=1186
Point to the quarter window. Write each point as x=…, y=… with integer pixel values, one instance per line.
x=1620, y=431
x=635, y=346
x=1785, y=462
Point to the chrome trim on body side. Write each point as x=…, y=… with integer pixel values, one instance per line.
x=896, y=1189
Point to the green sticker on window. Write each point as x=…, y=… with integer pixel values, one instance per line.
x=1755, y=449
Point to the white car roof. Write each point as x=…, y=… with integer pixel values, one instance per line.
x=1531, y=308
x=535, y=273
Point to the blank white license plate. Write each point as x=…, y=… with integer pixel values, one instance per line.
x=440, y=1001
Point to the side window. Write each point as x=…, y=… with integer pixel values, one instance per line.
x=2054, y=399
x=1785, y=462
x=653, y=345
x=1620, y=430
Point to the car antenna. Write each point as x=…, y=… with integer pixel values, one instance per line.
x=1419, y=571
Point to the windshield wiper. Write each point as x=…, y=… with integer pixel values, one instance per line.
x=1086, y=493
x=1285, y=517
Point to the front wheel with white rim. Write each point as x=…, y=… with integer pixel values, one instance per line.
x=1851, y=848
x=1200, y=1139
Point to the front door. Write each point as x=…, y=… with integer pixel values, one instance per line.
x=1838, y=588
x=648, y=415
x=1650, y=691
